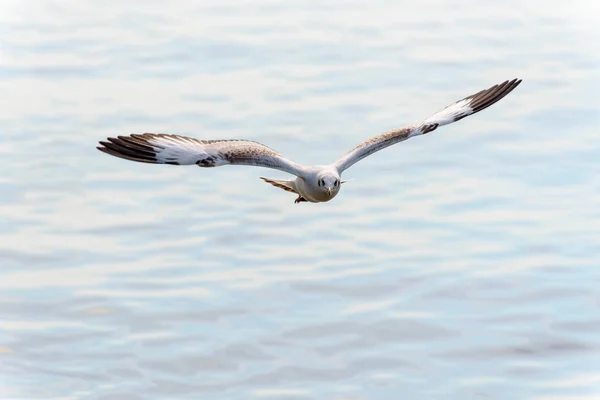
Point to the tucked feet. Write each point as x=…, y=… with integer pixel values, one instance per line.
x=300, y=199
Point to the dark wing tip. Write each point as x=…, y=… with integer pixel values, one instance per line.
x=128, y=148
x=486, y=98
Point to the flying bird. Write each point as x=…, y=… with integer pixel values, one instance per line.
x=313, y=184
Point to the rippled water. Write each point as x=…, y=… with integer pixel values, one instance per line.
x=462, y=264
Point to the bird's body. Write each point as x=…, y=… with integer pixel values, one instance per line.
x=313, y=184
x=309, y=187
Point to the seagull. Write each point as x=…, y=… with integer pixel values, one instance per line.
x=313, y=184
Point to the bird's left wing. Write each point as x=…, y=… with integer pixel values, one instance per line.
x=452, y=113
x=159, y=148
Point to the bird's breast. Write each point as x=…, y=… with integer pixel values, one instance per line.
x=309, y=192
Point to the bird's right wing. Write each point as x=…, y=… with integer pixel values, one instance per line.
x=452, y=113
x=158, y=148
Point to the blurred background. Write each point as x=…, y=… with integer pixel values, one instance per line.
x=461, y=264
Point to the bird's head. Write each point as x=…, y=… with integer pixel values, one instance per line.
x=329, y=183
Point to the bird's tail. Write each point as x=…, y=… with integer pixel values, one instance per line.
x=287, y=185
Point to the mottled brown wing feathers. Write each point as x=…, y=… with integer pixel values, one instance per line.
x=183, y=150
x=452, y=113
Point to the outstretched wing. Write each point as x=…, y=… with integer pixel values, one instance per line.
x=159, y=148
x=454, y=112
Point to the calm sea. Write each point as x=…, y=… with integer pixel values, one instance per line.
x=463, y=264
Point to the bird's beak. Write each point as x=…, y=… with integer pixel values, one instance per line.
x=329, y=191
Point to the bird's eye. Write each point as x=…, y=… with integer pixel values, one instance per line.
x=335, y=183
x=322, y=182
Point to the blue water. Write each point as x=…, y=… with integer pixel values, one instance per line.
x=461, y=264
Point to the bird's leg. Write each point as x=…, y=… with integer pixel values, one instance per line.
x=299, y=199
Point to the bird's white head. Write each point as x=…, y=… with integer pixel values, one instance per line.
x=329, y=183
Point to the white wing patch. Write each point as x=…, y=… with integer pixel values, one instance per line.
x=449, y=114
x=176, y=149
x=452, y=113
